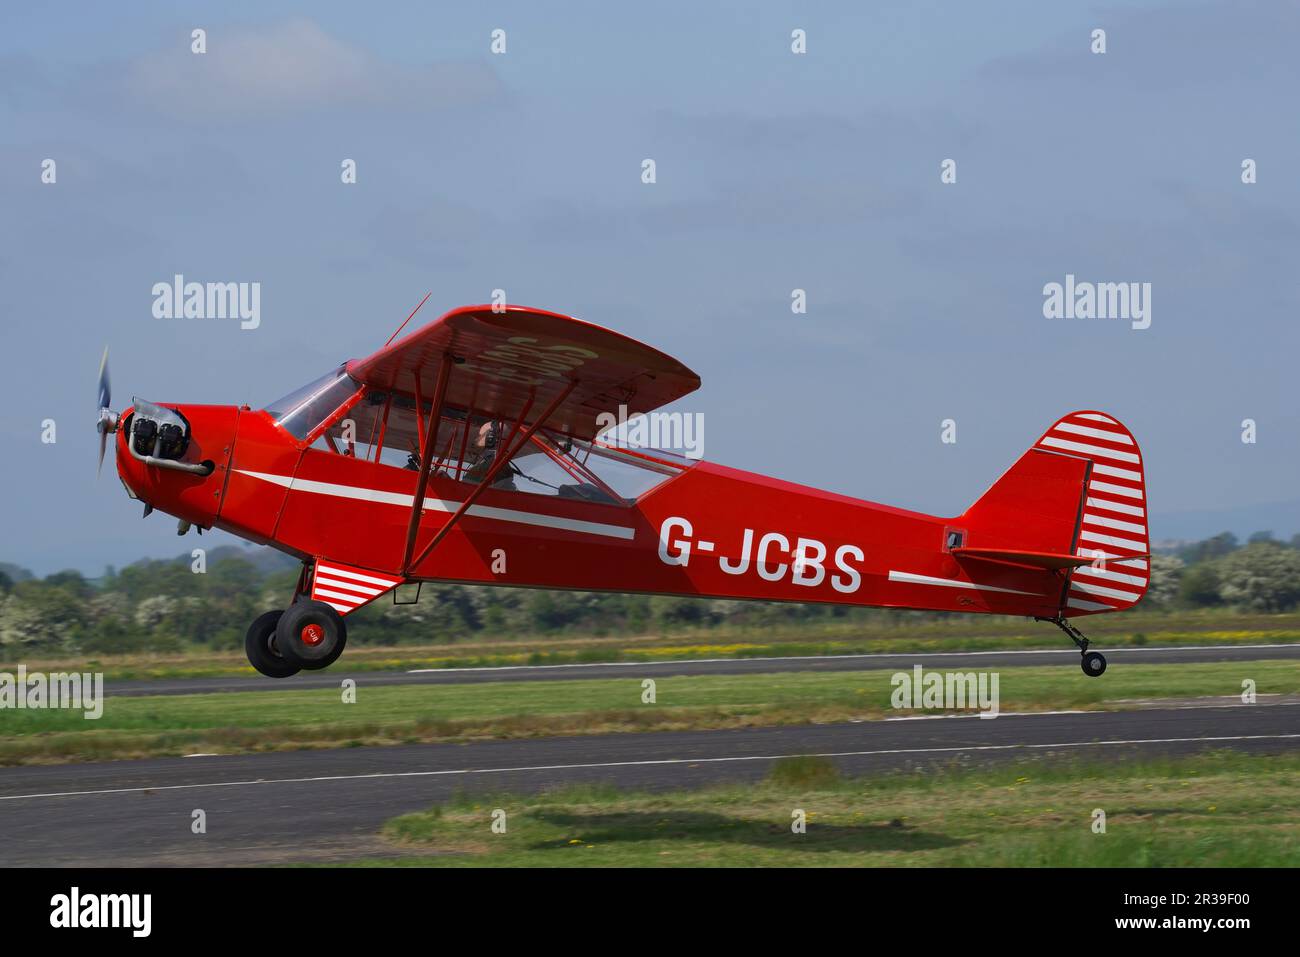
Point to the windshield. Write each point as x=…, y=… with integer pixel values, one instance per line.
x=303, y=409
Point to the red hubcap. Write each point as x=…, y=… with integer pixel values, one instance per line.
x=312, y=634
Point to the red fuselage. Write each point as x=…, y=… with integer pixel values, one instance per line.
x=706, y=530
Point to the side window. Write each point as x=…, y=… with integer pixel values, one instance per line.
x=376, y=429
x=387, y=430
x=570, y=468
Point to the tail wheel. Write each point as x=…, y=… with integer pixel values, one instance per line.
x=262, y=648
x=311, y=634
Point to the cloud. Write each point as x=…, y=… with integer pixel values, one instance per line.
x=294, y=66
x=1177, y=47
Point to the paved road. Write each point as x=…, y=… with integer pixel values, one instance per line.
x=327, y=805
x=1065, y=657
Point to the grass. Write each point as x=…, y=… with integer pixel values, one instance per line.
x=1215, y=810
x=385, y=715
x=889, y=634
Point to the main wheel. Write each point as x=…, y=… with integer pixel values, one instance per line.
x=261, y=647
x=311, y=634
x=1093, y=664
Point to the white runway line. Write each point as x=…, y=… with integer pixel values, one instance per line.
x=647, y=763
x=874, y=654
x=1162, y=704
x=1000, y=714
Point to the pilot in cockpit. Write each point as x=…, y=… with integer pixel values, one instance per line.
x=486, y=445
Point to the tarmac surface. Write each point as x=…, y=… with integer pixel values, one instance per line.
x=1065, y=657
x=327, y=805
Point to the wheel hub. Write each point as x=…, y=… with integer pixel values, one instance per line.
x=312, y=634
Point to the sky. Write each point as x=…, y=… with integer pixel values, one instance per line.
x=775, y=171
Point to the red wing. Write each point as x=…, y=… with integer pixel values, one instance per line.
x=503, y=358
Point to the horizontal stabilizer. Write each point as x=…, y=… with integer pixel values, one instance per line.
x=1038, y=559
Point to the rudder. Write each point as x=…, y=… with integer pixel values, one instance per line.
x=1079, y=490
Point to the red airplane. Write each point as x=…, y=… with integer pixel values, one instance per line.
x=471, y=451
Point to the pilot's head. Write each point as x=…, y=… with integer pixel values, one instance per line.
x=488, y=434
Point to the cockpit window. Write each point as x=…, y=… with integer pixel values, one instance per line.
x=302, y=410
x=387, y=429
x=554, y=464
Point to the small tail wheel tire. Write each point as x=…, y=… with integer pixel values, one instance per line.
x=1093, y=664
x=311, y=635
x=262, y=648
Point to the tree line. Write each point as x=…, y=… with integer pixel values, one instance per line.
x=163, y=606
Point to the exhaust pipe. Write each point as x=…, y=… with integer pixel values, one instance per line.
x=159, y=437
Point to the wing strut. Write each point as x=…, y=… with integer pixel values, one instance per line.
x=426, y=458
x=508, y=453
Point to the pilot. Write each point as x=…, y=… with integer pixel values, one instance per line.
x=486, y=444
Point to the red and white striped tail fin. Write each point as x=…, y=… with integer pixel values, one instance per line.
x=346, y=588
x=1113, y=519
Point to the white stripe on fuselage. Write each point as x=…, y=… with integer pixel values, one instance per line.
x=352, y=601
x=387, y=581
x=362, y=591
x=912, y=578
x=442, y=505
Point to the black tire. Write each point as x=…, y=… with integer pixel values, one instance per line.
x=261, y=647
x=300, y=623
x=1093, y=664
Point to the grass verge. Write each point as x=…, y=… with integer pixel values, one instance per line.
x=407, y=714
x=1222, y=809
x=954, y=633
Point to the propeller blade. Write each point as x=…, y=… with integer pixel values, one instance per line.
x=105, y=391
x=107, y=420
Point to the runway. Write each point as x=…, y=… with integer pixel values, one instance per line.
x=304, y=806
x=1065, y=657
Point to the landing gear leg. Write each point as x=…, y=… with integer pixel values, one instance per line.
x=1093, y=663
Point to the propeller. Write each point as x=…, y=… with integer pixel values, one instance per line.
x=107, y=417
